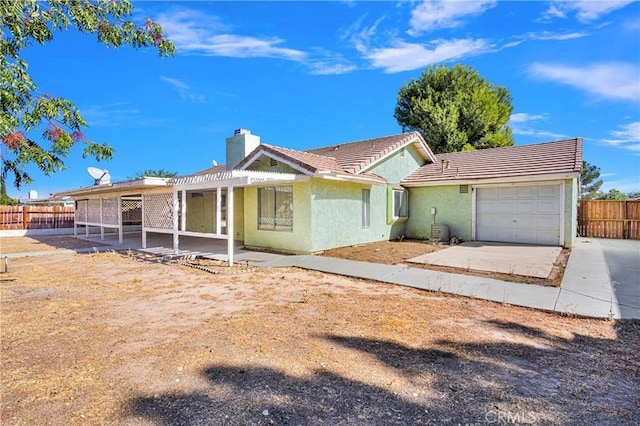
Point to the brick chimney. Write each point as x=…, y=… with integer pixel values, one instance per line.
x=239, y=146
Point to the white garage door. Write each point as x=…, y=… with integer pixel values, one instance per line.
x=519, y=214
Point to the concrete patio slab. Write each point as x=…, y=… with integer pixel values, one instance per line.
x=517, y=259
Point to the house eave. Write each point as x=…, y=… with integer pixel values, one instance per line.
x=495, y=180
x=129, y=185
x=348, y=178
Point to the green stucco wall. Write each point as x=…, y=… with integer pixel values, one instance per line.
x=455, y=210
x=296, y=241
x=570, y=211
x=328, y=213
x=452, y=208
x=336, y=218
x=398, y=166
x=201, y=212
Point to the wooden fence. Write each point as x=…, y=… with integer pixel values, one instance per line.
x=36, y=217
x=609, y=219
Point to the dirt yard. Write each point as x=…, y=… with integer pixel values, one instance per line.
x=120, y=338
x=397, y=252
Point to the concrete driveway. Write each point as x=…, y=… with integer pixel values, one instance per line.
x=518, y=259
x=623, y=261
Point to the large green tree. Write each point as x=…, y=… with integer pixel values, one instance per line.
x=39, y=128
x=455, y=109
x=590, y=181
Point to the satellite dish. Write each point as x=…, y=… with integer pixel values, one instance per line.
x=215, y=163
x=99, y=176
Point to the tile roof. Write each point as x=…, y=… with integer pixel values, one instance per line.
x=211, y=170
x=351, y=158
x=315, y=163
x=560, y=157
x=354, y=157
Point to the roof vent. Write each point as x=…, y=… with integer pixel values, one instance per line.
x=242, y=132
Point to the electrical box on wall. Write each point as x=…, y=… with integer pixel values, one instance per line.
x=433, y=210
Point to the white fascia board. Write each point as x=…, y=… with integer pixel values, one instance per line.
x=212, y=184
x=137, y=184
x=348, y=178
x=277, y=158
x=490, y=181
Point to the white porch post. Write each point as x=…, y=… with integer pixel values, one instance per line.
x=218, y=211
x=120, y=226
x=183, y=218
x=230, y=224
x=175, y=206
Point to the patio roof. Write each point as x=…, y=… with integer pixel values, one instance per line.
x=128, y=185
x=232, y=178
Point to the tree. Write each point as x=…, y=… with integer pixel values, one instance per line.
x=613, y=194
x=26, y=111
x=155, y=173
x=455, y=108
x=5, y=200
x=589, y=182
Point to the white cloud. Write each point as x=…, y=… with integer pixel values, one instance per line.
x=523, y=117
x=627, y=137
x=585, y=10
x=431, y=15
x=405, y=56
x=520, y=125
x=613, y=80
x=548, y=35
x=190, y=35
x=184, y=90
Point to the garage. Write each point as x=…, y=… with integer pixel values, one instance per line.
x=526, y=214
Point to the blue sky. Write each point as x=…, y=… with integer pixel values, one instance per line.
x=308, y=74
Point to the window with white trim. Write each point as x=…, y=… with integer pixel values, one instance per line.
x=366, y=208
x=400, y=203
x=275, y=208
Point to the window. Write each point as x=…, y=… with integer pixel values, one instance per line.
x=366, y=208
x=275, y=208
x=400, y=203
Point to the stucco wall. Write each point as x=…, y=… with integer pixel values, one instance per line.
x=452, y=208
x=201, y=212
x=398, y=166
x=296, y=241
x=336, y=218
x=571, y=211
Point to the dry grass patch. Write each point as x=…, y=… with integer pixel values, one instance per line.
x=107, y=339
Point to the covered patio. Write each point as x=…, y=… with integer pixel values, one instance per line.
x=161, y=245
x=153, y=213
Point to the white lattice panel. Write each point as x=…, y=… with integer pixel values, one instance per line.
x=158, y=211
x=110, y=209
x=93, y=211
x=81, y=211
x=132, y=212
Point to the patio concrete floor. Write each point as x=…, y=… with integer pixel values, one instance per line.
x=518, y=259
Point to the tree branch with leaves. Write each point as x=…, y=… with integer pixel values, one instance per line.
x=39, y=128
